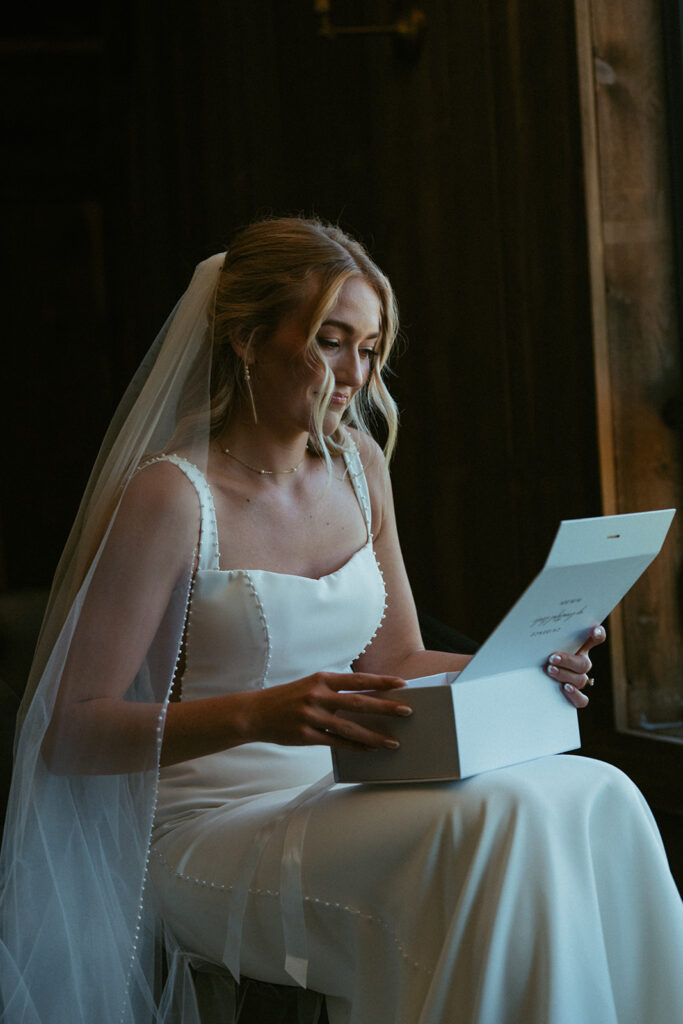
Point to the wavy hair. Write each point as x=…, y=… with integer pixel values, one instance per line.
x=268, y=272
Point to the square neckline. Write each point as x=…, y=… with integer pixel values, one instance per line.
x=209, y=550
x=294, y=575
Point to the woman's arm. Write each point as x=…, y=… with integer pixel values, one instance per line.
x=149, y=555
x=398, y=646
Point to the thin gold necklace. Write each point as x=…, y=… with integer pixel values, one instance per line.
x=265, y=472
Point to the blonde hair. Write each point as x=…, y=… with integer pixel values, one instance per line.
x=268, y=272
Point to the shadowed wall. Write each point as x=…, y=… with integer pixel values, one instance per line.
x=145, y=135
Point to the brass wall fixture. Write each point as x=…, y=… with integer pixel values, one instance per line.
x=408, y=27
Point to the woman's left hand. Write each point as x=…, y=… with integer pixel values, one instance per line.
x=572, y=671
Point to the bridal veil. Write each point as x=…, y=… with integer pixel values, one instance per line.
x=79, y=940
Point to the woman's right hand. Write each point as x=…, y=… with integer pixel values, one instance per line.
x=305, y=712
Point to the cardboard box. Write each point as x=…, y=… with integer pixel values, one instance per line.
x=503, y=708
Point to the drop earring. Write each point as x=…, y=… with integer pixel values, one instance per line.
x=247, y=383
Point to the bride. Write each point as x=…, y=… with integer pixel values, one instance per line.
x=232, y=582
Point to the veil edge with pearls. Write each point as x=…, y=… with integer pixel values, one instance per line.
x=79, y=939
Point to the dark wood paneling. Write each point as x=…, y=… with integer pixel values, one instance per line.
x=57, y=391
x=461, y=169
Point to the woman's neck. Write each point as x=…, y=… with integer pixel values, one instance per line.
x=257, y=448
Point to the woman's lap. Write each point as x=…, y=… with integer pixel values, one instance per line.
x=421, y=884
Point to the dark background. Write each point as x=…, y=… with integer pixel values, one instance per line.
x=139, y=135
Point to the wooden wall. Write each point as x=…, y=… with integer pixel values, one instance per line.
x=168, y=125
x=637, y=331
x=630, y=58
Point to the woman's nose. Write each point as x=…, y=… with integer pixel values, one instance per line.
x=350, y=369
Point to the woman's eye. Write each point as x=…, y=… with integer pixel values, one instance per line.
x=327, y=342
x=369, y=353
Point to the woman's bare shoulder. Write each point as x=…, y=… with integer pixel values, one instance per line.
x=161, y=494
x=371, y=455
x=376, y=472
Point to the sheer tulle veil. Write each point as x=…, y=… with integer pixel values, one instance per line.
x=79, y=942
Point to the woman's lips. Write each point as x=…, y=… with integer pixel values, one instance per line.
x=338, y=399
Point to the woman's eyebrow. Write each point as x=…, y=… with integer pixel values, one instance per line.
x=348, y=328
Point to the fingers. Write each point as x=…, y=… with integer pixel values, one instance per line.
x=596, y=636
x=565, y=668
x=361, y=681
x=573, y=670
x=371, y=705
x=575, y=696
x=345, y=734
x=310, y=710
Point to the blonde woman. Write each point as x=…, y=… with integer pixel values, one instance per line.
x=234, y=580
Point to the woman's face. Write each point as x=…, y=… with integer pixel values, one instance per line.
x=285, y=384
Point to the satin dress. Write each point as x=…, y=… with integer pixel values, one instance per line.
x=534, y=894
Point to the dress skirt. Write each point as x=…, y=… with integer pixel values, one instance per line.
x=535, y=894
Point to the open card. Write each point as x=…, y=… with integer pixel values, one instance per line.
x=503, y=708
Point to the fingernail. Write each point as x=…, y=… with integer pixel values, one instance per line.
x=553, y=670
x=568, y=688
x=555, y=659
x=392, y=744
x=404, y=710
x=597, y=632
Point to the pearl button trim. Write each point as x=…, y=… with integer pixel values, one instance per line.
x=345, y=908
x=207, y=557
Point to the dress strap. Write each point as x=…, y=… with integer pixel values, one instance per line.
x=209, y=555
x=360, y=483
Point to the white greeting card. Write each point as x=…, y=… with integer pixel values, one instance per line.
x=503, y=708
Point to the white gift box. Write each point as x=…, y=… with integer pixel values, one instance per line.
x=503, y=708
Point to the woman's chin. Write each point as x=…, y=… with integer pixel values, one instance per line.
x=332, y=420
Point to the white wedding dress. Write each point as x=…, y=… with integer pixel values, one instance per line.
x=536, y=894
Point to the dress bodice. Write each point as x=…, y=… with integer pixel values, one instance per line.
x=252, y=628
